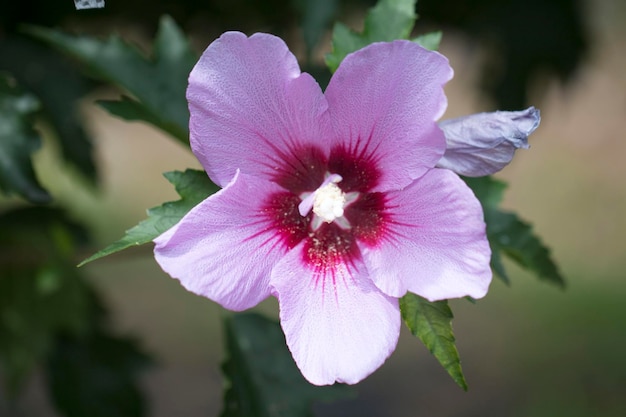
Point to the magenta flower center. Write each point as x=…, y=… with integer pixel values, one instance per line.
x=329, y=204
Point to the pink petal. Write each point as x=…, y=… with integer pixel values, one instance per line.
x=250, y=106
x=435, y=245
x=222, y=249
x=339, y=327
x=384, y=101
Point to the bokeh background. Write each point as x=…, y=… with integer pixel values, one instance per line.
x=528, y=350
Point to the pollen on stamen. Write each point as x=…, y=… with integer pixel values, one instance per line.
x=320, y=198
x=329, y=202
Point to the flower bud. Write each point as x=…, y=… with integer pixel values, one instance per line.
x=484, y=143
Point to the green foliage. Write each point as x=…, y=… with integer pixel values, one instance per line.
x=193, y=186
x=41, y=292
x=387, y=21
x=18, y=141
x=58, y=88
x=263, y=379
x=157, y=82
x=488, y=190
x=511, y=236
x=430, y=40
x=35, y=304
x=95, y=375
x=432, y=323
x=50, y=314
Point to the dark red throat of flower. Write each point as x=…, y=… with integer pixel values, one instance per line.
x=330, y=237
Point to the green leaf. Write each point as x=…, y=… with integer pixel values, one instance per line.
x=18, y=141
x=263, y=379
x=496, y=262
x=432, y=323
x=387, y=21
x=430, y=40
x=511, y=236
x=193, y=186
x=488, y=190
x=58, y=88
x=129, y=109
x=96, y=376
x=157, y=82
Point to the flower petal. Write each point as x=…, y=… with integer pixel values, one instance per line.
x=435, y=243
x=222, y=249
x=484, y=143
x=338, y=326
x=384, y=101
x=250, y=107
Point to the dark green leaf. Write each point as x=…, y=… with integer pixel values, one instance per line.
x=515, y=238
x=58, y=86
x=432, y=323
x=387, y=21
x=488, y=190
x=193, y=186
x=95, y=376
x=41, y=292
x=18, y=141
x=263, y=380
x=496, y=262
x=129, y=109
x=511, y=236
x=157, y=82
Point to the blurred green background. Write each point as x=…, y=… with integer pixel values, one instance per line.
x=530, y=350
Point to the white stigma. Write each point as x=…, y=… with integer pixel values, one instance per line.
x=329, y=202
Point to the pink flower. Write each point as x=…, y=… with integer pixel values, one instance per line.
x=331, y=202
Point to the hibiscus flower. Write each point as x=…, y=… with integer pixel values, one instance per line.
x=331, y=201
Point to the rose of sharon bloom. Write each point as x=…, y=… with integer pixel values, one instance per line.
x=331, y=202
